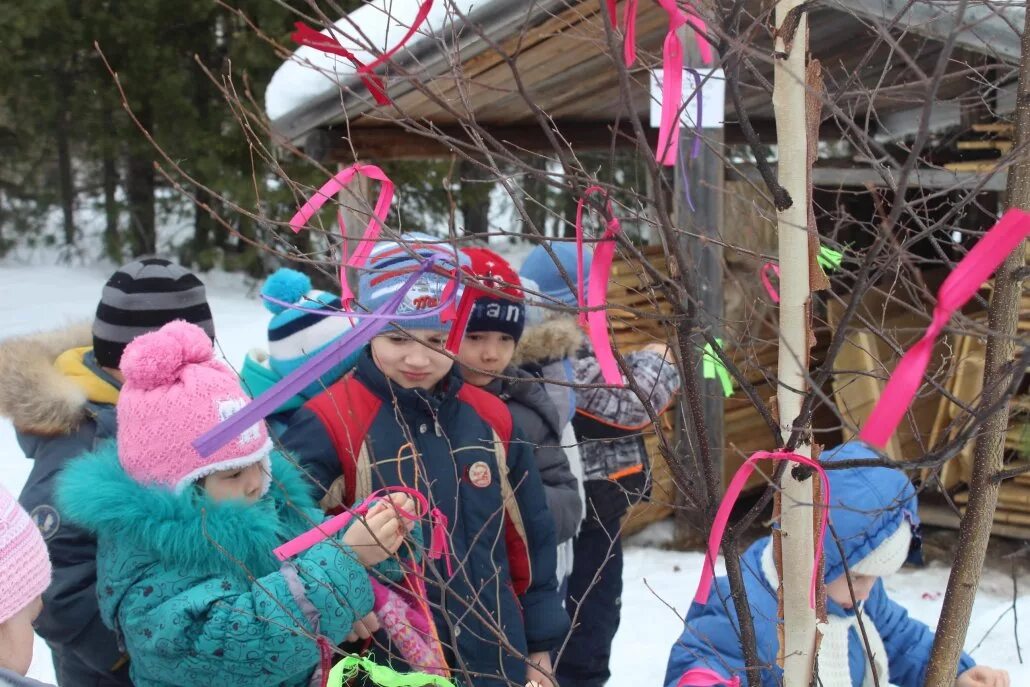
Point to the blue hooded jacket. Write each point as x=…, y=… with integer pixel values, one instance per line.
x=867, y=506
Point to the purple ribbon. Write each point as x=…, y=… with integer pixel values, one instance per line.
x=305, y=375
x=696, y=147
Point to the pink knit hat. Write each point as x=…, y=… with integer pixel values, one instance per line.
x=24, y=563
x=175, y=391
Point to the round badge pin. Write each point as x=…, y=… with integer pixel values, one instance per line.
x=479, y=474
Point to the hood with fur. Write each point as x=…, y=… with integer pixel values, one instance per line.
x=556, y=338
x=34, y=394
x=188, y=531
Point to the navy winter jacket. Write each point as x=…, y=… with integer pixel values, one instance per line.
x=503, y=557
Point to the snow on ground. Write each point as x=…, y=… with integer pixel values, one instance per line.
x=658, y=584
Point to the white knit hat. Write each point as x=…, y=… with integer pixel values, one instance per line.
x=889, y=556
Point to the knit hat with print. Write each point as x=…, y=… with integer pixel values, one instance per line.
x=294, y=336
x=141, y=297
x=493, y=313
x=175, y=391
x=24, y=562
x=390, y=264
x=540, y=267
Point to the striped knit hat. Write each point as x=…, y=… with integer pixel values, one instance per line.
x=294, y=336
x=390, y=264
x=142, y=297
x=24, y=563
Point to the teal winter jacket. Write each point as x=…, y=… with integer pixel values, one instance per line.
x=192, y=588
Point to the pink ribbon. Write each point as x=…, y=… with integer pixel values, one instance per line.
x=672, y=66
x=961, y=284
x=596, y=320
x=375, y=224
x=722, y=518
x=438, y=547
x=305, y=35
x=705, y=677
x=767, y=283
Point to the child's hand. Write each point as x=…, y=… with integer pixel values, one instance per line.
x=380, y=533
x=982, y=676
x=364, y=628
x=535, y=677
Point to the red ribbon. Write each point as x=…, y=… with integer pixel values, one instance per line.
x=375, y=224
x=722, y=518
x=596, y=320
x=961, y=284
x=305, y=35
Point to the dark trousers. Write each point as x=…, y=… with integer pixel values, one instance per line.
x=594, y=604
x=71, y=671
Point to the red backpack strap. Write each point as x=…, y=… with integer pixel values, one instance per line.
x=347, y=409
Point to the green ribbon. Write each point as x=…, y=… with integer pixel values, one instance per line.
x=384, y=676
x=713, y=368
x=828, y=258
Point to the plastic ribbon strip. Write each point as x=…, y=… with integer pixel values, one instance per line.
x=768, y=267
x=375, y=223
x=305, y=35
x=384, y=676
x=289, y=386
x=596, y=319
x=722, y=518
x=672, y=66
x=828, y=258
x=695, y=148
x=712, y=368
x=704, y=677
x=960, y=285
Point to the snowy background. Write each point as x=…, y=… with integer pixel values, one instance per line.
x=658, y=583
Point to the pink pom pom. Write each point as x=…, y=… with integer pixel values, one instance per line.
x=156, y=359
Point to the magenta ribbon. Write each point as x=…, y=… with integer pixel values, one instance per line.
x=767, y=283
x=672, y=66
x=705, y=677
x=960, y=285
x=375, y=225
x=722, y=518
x=305, y=35
x=438, y=547
x=596, y=320
x=317, y=365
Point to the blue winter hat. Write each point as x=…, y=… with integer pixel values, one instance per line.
x=539, y=267
x=873, y=511
x=390, y=264
x=294, y=336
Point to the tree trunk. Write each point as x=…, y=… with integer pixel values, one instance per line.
x=112, y=240
x=139, y=192
x=796, y=533
x=64, y=159
x=474, y=201
x=1003, y=318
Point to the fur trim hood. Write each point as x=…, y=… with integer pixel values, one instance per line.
x=186, y=531
x=556, y=338
x=34, y=395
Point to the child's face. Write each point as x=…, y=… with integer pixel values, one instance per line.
x=862, y=584
x=489, y=351
x=16, y=638
x=241, y=484
x=412, y=364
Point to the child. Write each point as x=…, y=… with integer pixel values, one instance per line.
x=60, y=390
x=186, y=574
x=873, y=512
x=24, y=576
x=494, y=329
x=405, y=417
x=610, y=426
x=294, y=336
